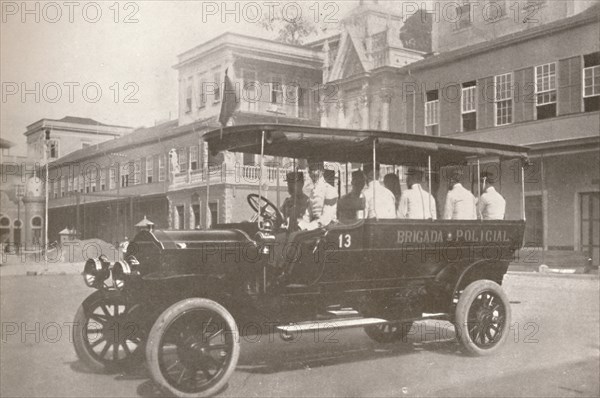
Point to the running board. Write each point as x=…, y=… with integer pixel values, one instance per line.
x=330, y=324
x=342, y=323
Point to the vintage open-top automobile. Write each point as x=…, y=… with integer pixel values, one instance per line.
x=184, y=298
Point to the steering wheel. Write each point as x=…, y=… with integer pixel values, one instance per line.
x=268, y=210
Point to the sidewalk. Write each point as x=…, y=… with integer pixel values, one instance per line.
x=39, y=268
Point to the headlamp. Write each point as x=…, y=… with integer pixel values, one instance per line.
x=96, y=271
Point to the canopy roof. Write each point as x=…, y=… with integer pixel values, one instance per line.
x=347, y=145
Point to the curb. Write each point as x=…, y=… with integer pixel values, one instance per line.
x=554, y=274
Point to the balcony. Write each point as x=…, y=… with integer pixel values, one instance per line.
x=250, y=175
x=229, y=174
x=290, y=109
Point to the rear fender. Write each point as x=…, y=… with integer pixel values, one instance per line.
x=482, y=269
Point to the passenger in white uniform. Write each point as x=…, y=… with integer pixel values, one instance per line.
x=491, y=205
x=381, y=203
x=322, y=202
x=415, y=202
x=460, y=202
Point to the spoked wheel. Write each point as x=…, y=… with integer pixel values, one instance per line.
x=482, y=318
x=388, y=332
x=107, y=332
x=193, y=348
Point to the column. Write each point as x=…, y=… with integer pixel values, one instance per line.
x=386, y=99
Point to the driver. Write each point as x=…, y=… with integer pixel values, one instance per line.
x=294, y=207
x=322, y=203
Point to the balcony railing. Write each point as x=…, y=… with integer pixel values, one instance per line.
x=228, y=174
x=237, y=174
x=285, y=109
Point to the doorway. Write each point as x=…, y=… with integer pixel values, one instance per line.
x=590, y=225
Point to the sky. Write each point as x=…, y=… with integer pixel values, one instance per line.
x=106, y=60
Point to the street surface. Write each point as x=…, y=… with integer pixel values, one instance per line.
x=553, y=350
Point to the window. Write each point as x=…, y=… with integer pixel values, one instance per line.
x=432, y=113
x=468, y=101
x=249, y=159
x=183, y=159
x=125, y=177
x=90, y=180
x=53, y=149
x=162, y=171
x=188, y=95
x=463, y=14
x=292, y=98
x=81, y=183
x=196, y=211
x=194, y=165
x=103, y=179
x=503, y=96
x=201, y=91
x=591, y=82
x=86, y=182
x=36, y=228
x=545, y=90
x=217, y=84
x=137, y=172
x=70, y=183
x=180, y=217
x=149, y=169
x=250, y=93
x=112, y=180
x=75, y=183
x=62, y=181
x=213, y=208
x=276, y=90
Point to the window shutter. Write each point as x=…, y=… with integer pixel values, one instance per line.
x=410, y=116
x=569, y=85
x=450, y=109
x=485, y=99
x=524, y=95
x=419, y=112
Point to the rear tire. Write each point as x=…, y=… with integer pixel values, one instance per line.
x=482, y=318
x=389, y=332
x=193, y=348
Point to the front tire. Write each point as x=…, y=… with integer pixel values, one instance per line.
x=106, y=332
x=193, y=348
x=482, y=318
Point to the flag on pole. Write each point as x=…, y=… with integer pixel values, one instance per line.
x=229, y=102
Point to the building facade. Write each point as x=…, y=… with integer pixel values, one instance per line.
x=165, y=172
x=507, y=79
x=536, y=86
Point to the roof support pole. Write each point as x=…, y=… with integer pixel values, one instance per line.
x=429, y=183
x=478, y=188
x=523, y=191
x=207, y=174
x=260, y=178
x=375, y=179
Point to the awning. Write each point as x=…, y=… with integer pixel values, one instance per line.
x=347, y=145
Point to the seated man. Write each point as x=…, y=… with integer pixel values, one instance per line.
x=294, y=207
x=460, y=202
x=415, y=202
x=352, y=205
x=491, y=205
x=322, y=203
x=379, y=201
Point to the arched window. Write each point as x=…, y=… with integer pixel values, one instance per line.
x=4, y=229
x=17, y=224
x=36, y=228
